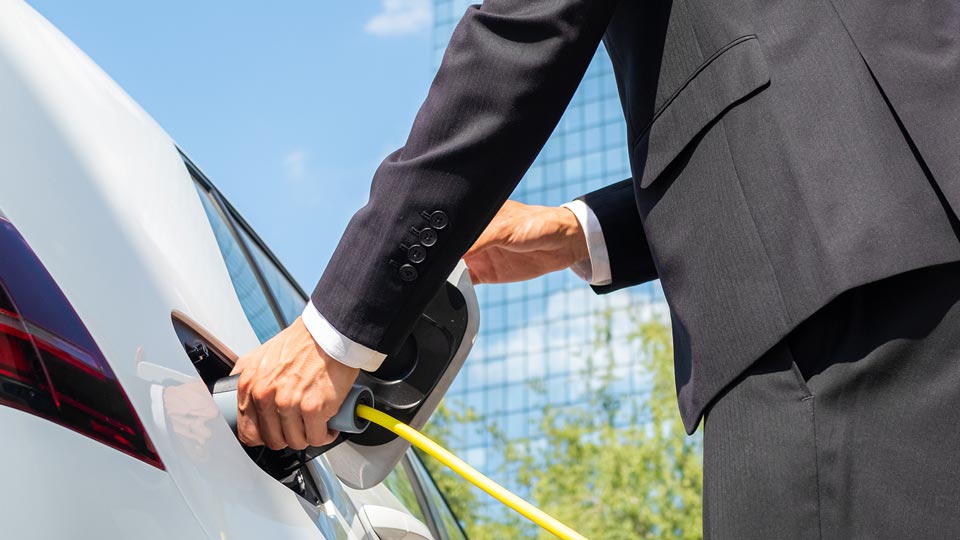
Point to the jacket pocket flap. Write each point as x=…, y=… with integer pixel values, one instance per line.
x=728, y=76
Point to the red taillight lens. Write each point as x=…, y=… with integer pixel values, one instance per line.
x=49, y=363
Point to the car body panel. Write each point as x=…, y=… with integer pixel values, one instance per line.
x=53, y=504
x=101, y=194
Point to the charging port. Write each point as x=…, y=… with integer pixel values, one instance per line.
x=286, y=466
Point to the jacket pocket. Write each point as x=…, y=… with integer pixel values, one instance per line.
x=728, y=76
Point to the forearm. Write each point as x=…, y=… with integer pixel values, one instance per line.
x=508, y=74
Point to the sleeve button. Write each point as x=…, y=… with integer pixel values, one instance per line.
x=416, y=253
x=428, y=237
x=407, y=272
x=439, y=219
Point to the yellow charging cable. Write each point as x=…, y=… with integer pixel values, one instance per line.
x=472, y=475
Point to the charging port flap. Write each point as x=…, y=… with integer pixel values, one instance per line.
x=410, y=384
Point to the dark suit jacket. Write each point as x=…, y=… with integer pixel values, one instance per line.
x=782, y=151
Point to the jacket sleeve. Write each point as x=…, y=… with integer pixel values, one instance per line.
x=507, y=76
x=628, y=251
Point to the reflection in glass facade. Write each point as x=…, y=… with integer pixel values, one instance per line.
x=535, y=337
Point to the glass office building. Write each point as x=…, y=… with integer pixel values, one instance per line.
x=536, y=337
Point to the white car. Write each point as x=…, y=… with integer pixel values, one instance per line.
x=127, y=285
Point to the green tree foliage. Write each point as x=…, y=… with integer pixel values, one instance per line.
x=612, y=467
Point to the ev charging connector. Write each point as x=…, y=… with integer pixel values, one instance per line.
x=405, y=391
x=345, y=421
x=408, y=386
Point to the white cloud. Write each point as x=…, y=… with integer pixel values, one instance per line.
x=401, y=17
x=295, y=164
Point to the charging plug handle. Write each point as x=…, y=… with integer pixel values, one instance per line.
x=345, y=421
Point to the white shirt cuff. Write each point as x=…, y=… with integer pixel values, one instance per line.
x=596, y=270
x=338, y=346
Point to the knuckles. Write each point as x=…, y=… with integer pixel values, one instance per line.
x=329, y=410
x=263, y=395
x=247, y=432
x=311, y=407
x=287, y=403
x=276, y=445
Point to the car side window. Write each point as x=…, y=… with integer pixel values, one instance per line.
x=289, y=298
x=253, y=299
x=444, y=519
x=399, y=484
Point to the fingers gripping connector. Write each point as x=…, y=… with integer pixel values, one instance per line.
x=345, y=421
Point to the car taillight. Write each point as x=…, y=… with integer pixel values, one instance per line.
x=49, y=363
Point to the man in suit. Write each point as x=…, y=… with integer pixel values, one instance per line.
x=796, y=178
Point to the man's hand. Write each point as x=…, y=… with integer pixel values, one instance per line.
x=523, y=242
x=288, y=389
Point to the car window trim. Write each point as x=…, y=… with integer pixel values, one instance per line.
x=428, y=512
x=235, y=223
x=421, y=492
x=245, y=250
x=242, y=223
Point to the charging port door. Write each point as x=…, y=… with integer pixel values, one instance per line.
x=410, y=384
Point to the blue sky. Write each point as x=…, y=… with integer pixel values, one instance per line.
x=287, y=106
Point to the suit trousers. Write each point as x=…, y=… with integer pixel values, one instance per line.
x=850, y=427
